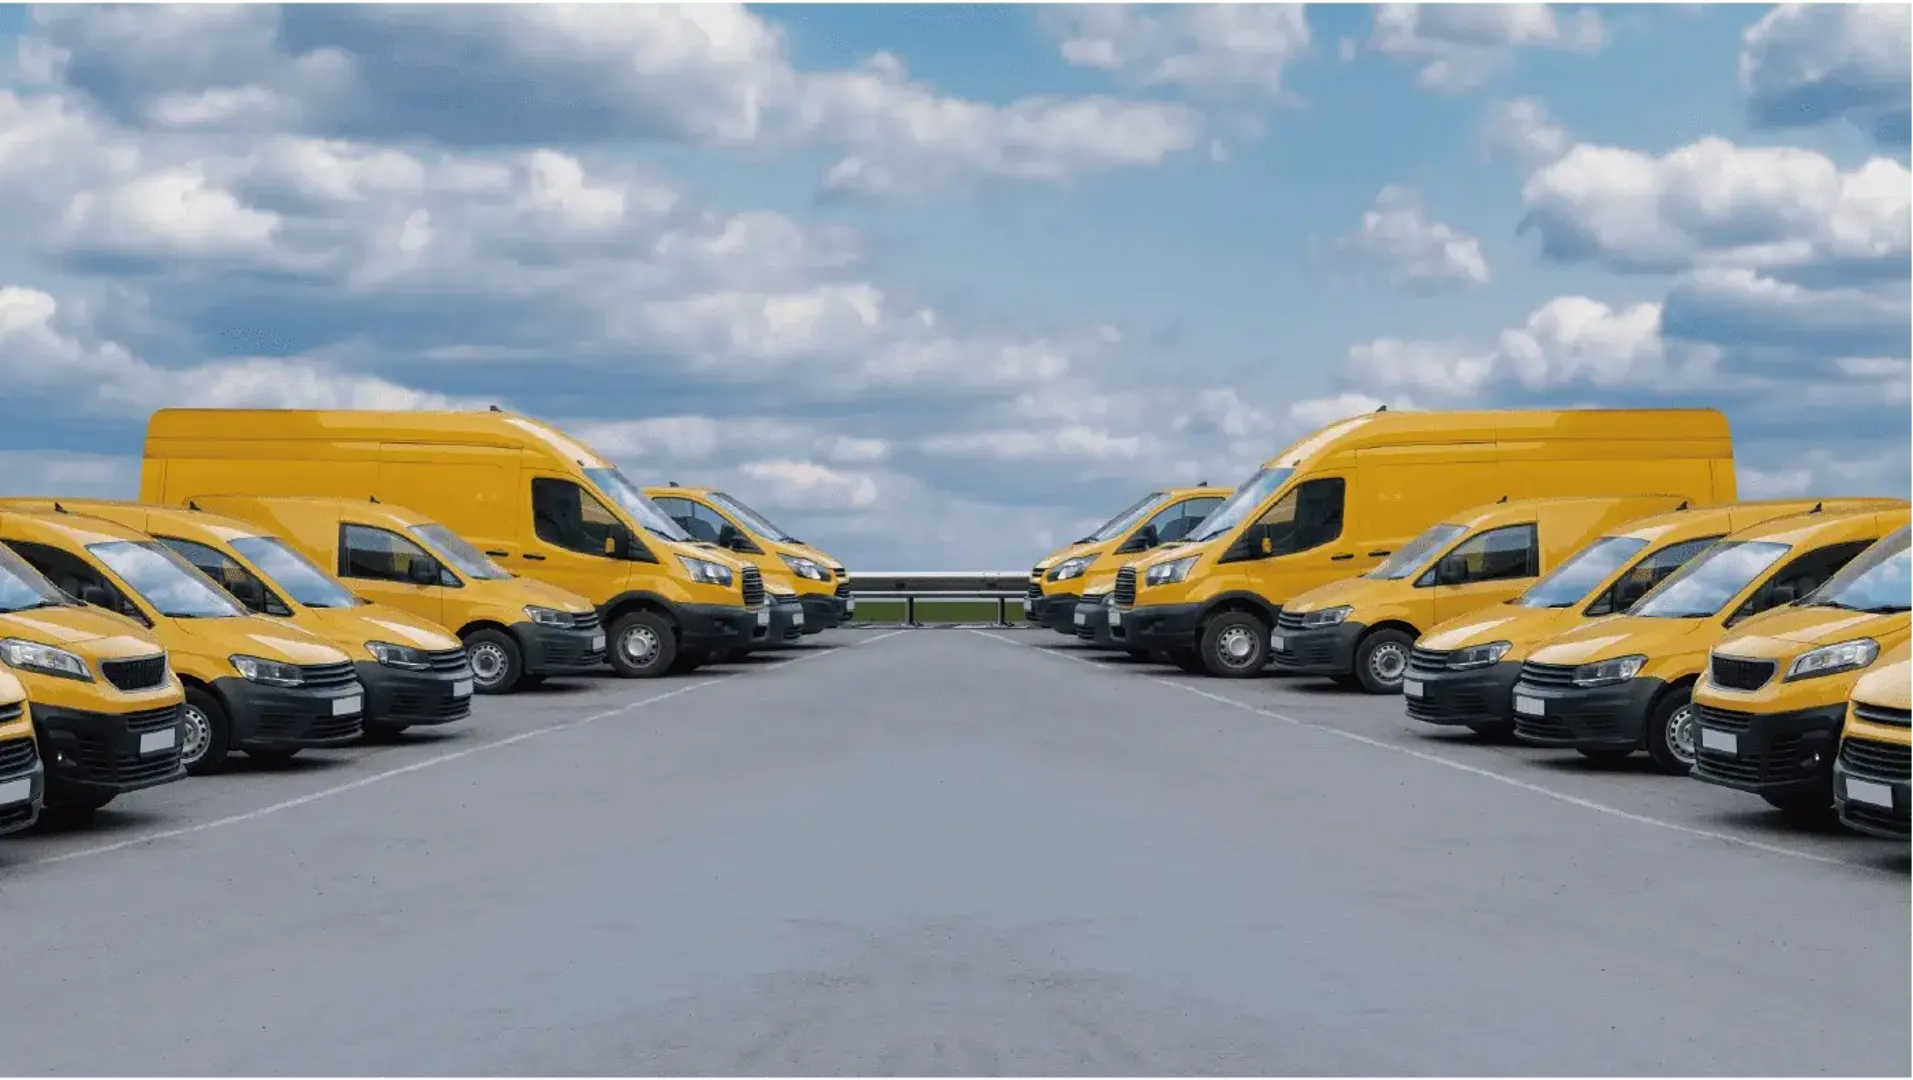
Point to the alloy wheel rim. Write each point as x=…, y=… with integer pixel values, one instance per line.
x=1235, y=646
x=195, y=736
x=1680, y=734
x=488, y=664
x=639, y=645
x=1388, y=661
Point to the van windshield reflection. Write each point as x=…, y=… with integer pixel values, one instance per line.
x=1248, y=498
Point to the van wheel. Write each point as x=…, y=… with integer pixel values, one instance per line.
x=643, y=645
x=1235, y=645
x=1671, y=733
x=498, y=664
x=205, y=733
x=1381, y=659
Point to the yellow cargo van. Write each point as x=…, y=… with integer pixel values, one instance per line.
x=1060, y=581
x=22, y=777
x=1871, y=775
x=1098, y=602
x=515, y=632
x=524, y=493
x=1359, y=631
x=1338, y=502
x=1625, y=683
x=821, y=583
x=1769, y=708
x=1462, y=671
x=251, y=683
x=415, y=673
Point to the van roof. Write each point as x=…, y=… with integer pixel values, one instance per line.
x=364, y=509
x=1721, y=518
x=1826, y=526
x=473, y=427
x=1382, y=428
x=63, y=528
x=1516, y=510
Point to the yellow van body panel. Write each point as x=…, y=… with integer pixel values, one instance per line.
x=22, y=776
x=1870, y=788
x=94, y=636
x=1090, y=568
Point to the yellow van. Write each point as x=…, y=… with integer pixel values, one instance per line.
x=1870, y=777
x=1769, y=708
x=1625, y=683
x=22, y=777
x=1462, y=672
x=1338, y=502
x=1359, y=631
x=522, y=492
x=1098, y=603
x=1060, y=581
x=251, y=683
x=821, y=583
x=414, y=672
x=516, y=632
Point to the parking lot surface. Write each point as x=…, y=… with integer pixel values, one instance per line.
x=938, y=852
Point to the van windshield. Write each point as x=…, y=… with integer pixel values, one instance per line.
x=1248, y=498
x=295, y=574
x=649, y=515
x=1575, y=579
x=752, y=520
x=1704, y=586
x=22, y=588
x=1121, y=523
x=1879, y=582
x=1416, y=552
x=174, y=587
x=452, y=547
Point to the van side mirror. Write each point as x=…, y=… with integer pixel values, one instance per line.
x=1256, y=542
x=97, y=597
x=1785, y=593
x=1451, y=571
x=618, y=544
x=1141, y=540
x=422, y=572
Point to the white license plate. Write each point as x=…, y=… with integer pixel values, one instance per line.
x=1115, y=617
x=1865, y=791
x=1724, y=741
x=154, y=742
x=797, y=618
x=1528, y=706
x=15, y=791
x=346, y=706
x=764, y=617
x=1276, y=642
x=462, y=688
x=1082, y=619
x=1412, y=687
x=850, y=607
x=597, y=642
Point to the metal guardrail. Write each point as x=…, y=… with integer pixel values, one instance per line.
x=929, y=587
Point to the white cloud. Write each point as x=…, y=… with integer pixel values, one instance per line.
x=1824, y=473
x=808, y=485
x=83, y=476
x=1195, y=45
x=1012, y=444
x=1522, y=131
x=1738, y=307
x=1422, y=253
x=1463, y=44
x=1812, y=63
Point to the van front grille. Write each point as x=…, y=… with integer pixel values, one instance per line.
x=451, y=660
x=323, y=676
x=1125, y=591
x=140, y=723
x=753, y=580
x=1877, y=714
x=1547, y=674
x=142, y=673
x=1734, y=673
x=17, y=755
x=1872, y=758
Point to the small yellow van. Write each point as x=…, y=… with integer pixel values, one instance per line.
x=415, y=673
x=1338, y=502
x=1061, y=580
x=1625, y=683
x=821, y=583
x=1462, y=672
x=1769, y=708
x=516, y=632
x=251, y=683
x=1359, y=631
x=1870, y=777
x=22, y=777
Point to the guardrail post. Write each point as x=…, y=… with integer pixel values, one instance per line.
x=1002, y=611
x=910, y=611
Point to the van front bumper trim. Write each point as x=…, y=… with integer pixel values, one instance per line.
x=1321, y=650
x=1090, y=624
x=1055, y=611
x=100, y=752
x=709, y=627
x=286, y=718
x=560, y=650
x=1162, y=626
x=16, y=815
x=1585, y=718
x=822, y=611
x=1890, y=823
x=1459, y=698
x=1774, y=753
x=396, y=697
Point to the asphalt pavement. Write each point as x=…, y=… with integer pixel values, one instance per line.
x=942, y=852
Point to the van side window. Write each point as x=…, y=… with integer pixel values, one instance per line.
x=567, y=516
x=378, y=555
x=1309, y=516
x=1177, y=521
x=1512, y=551
x=244, y=586
x=703, y=523
x=75, y=577
x=1800, y=577
x=1646, y=574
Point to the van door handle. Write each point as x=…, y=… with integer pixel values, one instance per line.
x=498, y=554
x=533, y=558
x=1378, y=554
x=1343, y=555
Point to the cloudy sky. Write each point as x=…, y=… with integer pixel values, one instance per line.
x=940, y=287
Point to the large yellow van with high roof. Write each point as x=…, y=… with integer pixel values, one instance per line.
x=1769, y=708
x=22, y=776
x=251, y=683
x=1871, y=774
x=534, y=499
x=516, y=632
x=1625, y=683
x=1060, y=581
x=1462, y=671
x=819, y=582
x=1358, y=631
x=414, y=671
x=1337, y=503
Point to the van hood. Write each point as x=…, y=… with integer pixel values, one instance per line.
x=805, y=551
x=1522, y=627
x=518, y=592
x=1626, y=635
x=1355, y=592
x=351, y=628
x=1182, y=549
x=261, y=636
x=1063, y=554
x=1887, y=685
x=1784, y=633
x=101, y=635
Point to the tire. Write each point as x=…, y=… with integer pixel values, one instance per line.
x=1380, y=661
x=1235, y=645
x=1606, y=755
x=644, y=645
x=1188, y=660
x=1670, y=732
x=206, y=739
x=498, y=664
x=1810, y=809
x=273, y=755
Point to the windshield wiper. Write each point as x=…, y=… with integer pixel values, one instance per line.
x=1882, y=609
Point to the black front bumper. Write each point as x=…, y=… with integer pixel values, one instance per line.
x=824, y=612
x=22, y=784
x=1159, y=626
x=1872, y=762
x=1056, y=611
x=560, y=650
x=286, y=718
x=711, y=627
x=396, y=697
x=1320, y=650
x=1772, y=753
x=1483, y=695
x=1090, y=623
x=1610, y=717
x=789, y=623
x=98, y=753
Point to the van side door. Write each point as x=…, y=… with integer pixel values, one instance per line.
x=1486, y=568
x=569, y=537
x=387, y=568
x=1311, y=540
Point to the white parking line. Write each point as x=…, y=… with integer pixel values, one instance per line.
x=1459, y=766
x=416, y=766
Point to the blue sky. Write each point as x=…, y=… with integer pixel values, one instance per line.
x=943, y=285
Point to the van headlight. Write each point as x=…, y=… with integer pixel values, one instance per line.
x=1607, y=672
x=398, y=656
x=706, y=572
x=1833, y=659
x=267, y=672
x=1071, y=568
x=44, y=659
x=1328, y=616
x=545, y=616
x=1479, y=656
x=1171, y=572
x=806, y=568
